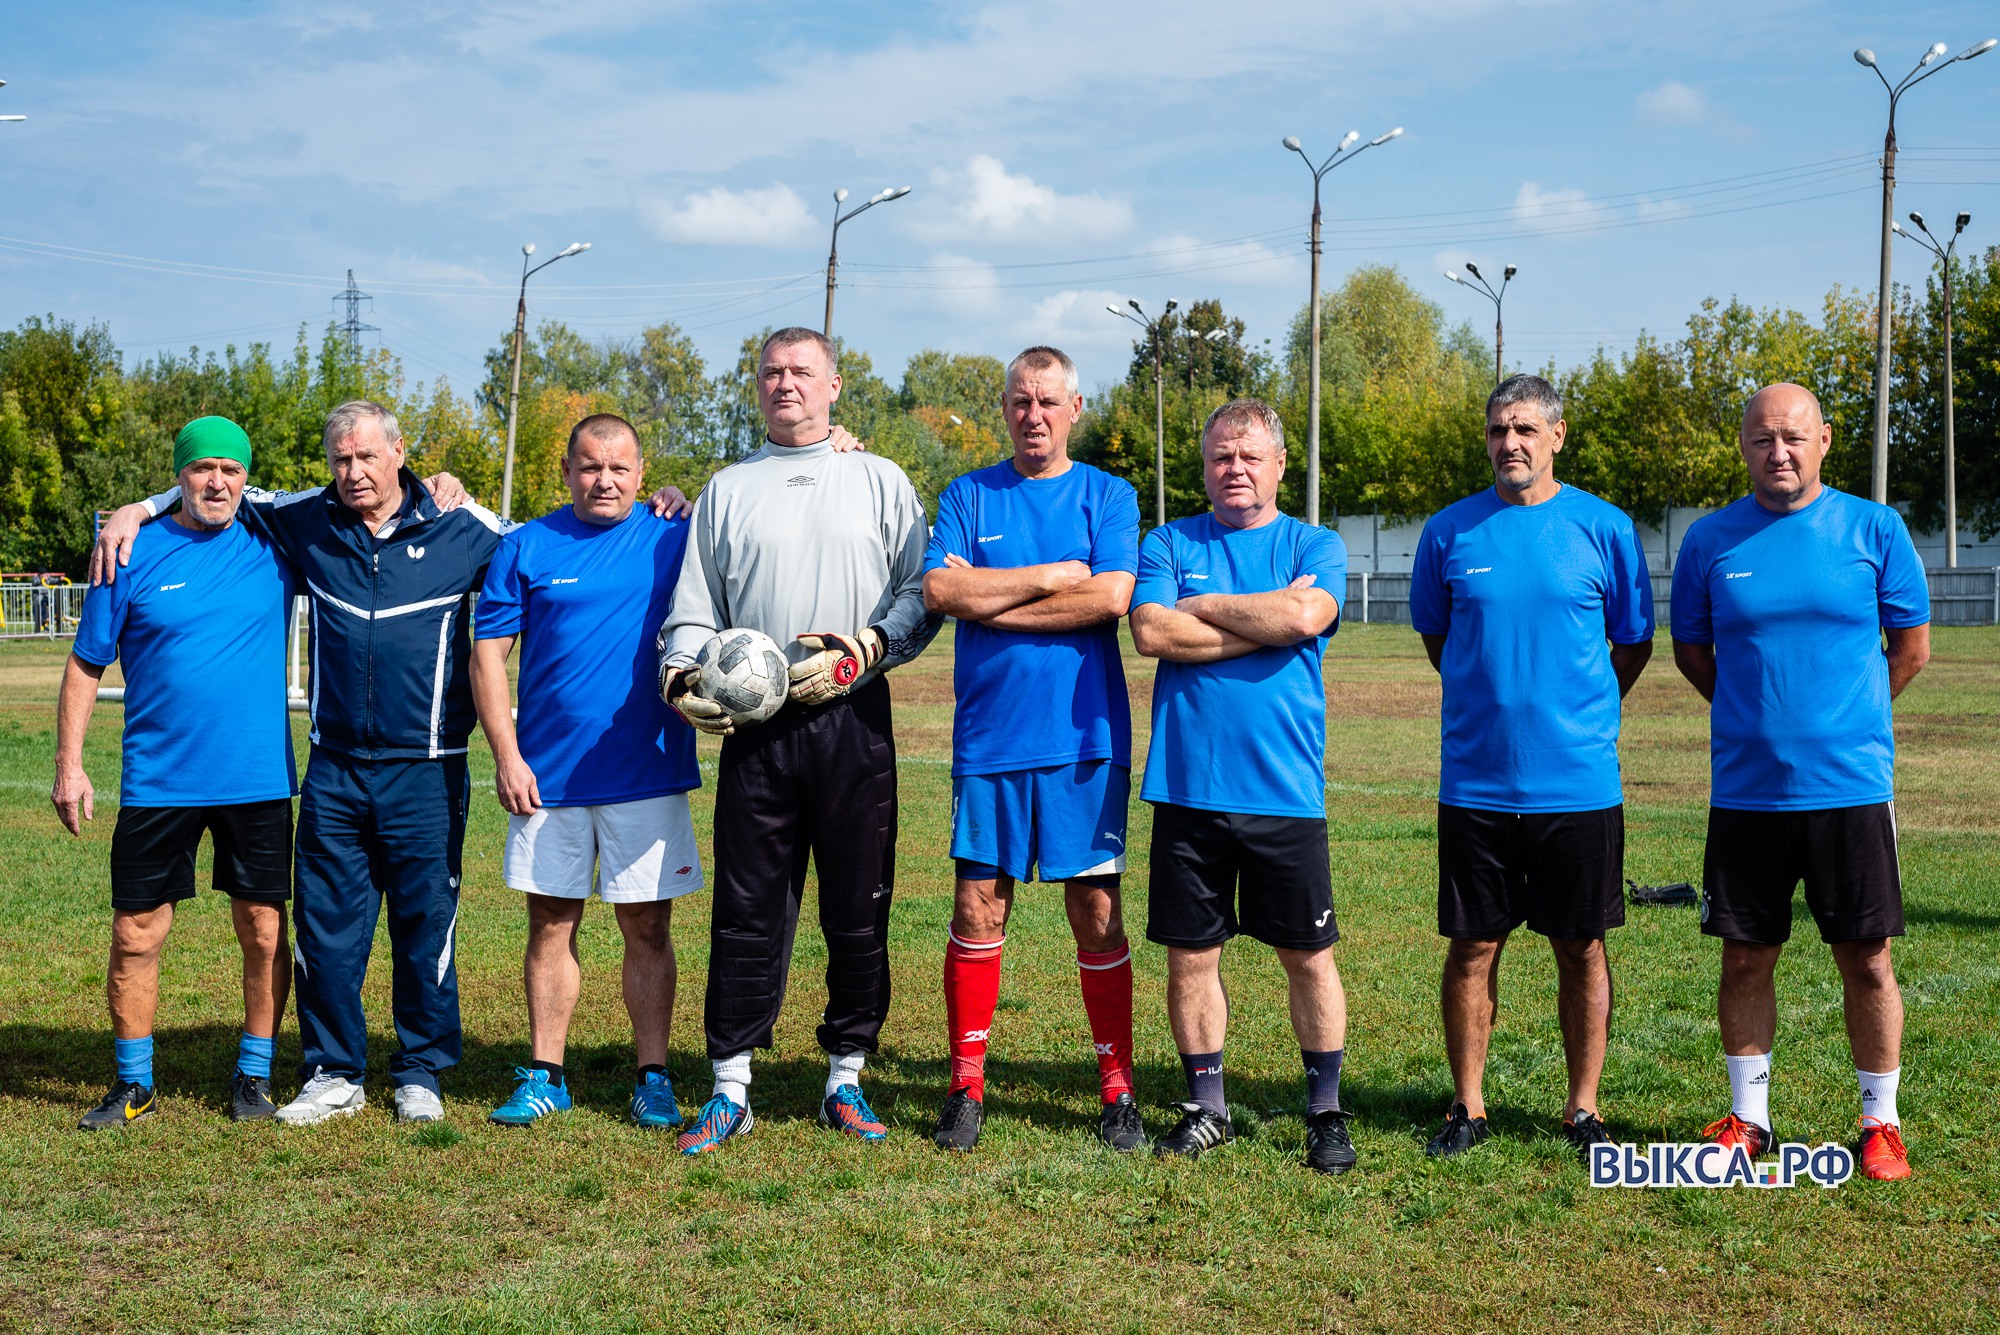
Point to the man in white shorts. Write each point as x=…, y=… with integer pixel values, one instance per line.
x=596, y=774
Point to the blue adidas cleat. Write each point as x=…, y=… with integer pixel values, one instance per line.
x=847, y=1112
x=720, y=1119
x=653, y=1104
x=534, y=1098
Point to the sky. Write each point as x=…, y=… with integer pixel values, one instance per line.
x=207, y=173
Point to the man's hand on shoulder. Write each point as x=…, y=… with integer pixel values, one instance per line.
x=845, y=443
x=447, y=493
x=114, y=542
x=669, y=503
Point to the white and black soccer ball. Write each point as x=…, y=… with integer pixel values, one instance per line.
x=744, y=671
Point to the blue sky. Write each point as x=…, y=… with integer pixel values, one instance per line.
x=206, y=173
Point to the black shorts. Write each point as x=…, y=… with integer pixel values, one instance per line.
x=152, y=853
x=1845, y=855
x=1216, y=873
x=1560, y=872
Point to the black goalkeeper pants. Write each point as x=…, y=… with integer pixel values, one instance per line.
x=811, y=783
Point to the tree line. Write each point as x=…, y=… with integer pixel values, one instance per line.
x=1401, y=407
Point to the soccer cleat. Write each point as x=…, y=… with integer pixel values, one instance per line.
x=1732, y=1131
x=421, y=1103
x=1584, y=1129
x=1461, y=1131
x=720, y=1119
x=1198, y=1131
x=534, y=1098
x=654, y=1106
x=1881, y=1151
x=123, y=1104
x=324, y=1096
x=250, y=1098
x=1329, y=1149
x=846, y=1111
x=1120, y=1125
x=960, y=1120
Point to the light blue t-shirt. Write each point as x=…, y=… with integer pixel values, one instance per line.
x=198, y=622
x=586, y=601
x=1526, y=596
x=1026, y=700
x=1246, y=735
x=1795, y=605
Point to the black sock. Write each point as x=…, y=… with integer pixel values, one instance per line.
x=645, y=1071
x=1204, y=1080
x=554, y=1069
x=1322, y=1079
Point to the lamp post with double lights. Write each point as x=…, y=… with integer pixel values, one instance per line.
x=1333, y=160
x=833, y=251
x=1878, y=473
x=1155, y=335
x=1486, y=288
x=1944, y=253
x=514, y=382
x=3, y=84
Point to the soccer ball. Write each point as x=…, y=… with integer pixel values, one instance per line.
x=744, y=672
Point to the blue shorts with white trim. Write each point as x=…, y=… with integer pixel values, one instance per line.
x=1049, y=824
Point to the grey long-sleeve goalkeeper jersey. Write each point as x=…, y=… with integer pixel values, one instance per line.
x=797, y=539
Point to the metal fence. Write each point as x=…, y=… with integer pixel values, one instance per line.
x=28, y=611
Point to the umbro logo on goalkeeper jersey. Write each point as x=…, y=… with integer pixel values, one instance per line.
x=801, y=480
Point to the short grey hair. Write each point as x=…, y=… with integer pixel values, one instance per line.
x=791, y=335
x=1527, y=389
x=1240, y=413
x=1041, y=358
x=341, y=422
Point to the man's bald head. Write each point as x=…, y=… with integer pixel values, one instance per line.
x=1784, y=437
x=1783, y=397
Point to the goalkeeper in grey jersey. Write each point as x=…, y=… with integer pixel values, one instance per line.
x=823, y=552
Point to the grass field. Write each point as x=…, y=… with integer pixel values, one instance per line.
x=190, y=1223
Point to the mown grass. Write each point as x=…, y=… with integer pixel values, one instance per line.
x=191, y=1223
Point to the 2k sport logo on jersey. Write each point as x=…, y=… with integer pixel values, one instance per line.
x=1710, y=1165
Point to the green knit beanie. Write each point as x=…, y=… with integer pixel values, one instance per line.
x=211, y=438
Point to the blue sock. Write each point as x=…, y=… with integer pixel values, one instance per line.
x=253, y=1054
x=135, y=1059
x=1322, y=1079
x=1204, y=1080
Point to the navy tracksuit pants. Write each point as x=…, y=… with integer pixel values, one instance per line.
x=373, y=832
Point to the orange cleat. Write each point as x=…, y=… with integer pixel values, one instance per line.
x=1881, y=1151
x=1732, y=1131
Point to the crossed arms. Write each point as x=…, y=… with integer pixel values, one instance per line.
x=1212, y=627
x=1059, y=596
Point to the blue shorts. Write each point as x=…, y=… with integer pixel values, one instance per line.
x=1047, y=824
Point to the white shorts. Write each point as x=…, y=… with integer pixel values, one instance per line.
x=628, y=852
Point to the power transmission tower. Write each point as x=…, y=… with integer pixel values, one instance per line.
x=351, y=327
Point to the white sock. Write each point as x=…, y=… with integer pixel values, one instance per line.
x=732, y=1078
x=844, y=1069
x=1750, y=1088
x=1878, y=1093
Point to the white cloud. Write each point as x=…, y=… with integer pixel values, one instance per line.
x=1232, y=262
x=985, y=201
x=1554, y=212
x=1663, y=210
x=1077, y=319
x=1673, y=103
x=774, y=217
x=964, y=286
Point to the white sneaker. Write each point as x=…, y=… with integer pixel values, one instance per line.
x=324, y=1096
x=416, y=1103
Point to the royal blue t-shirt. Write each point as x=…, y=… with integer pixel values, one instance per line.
x=1526, y=596
x=198, y=622
x=1795, y=605
x=1026, y=700
x=1245, y=735
x=587, y=601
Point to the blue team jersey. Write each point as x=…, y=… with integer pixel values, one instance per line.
x=1795, y=605
x=586, y=601
x=1030, y=700
x=1526, y=596
x=1246, y=735
x=197, y=621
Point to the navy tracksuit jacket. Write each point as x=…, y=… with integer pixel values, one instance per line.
x=382, y=809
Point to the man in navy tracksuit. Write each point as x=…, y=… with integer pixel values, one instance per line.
x=382, y=811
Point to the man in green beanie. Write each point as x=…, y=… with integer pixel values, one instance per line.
x=203, y=605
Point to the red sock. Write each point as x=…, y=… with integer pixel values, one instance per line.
x=1107, y=1000
x=971, y=992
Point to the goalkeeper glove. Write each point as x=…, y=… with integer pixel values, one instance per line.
x=677, y=688
x=825, y=666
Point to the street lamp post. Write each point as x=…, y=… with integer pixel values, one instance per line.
x=1155, y=335
x=1482, y=286
x=833, y=251
x=514, y=383
x=1878, y=473
x=1312, y=392
x=1195, y=341
x=3, y=84
x=1944, y=254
